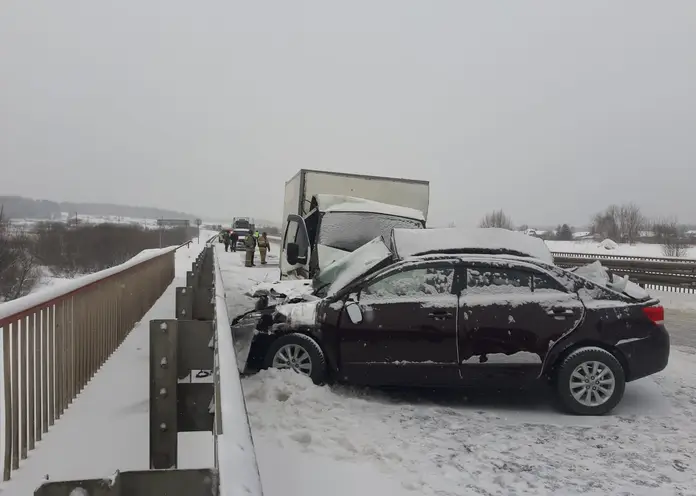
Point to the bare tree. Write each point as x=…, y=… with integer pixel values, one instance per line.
x=606, y=224
x=631, y=222
x=564, y=233
x=665, y=228
x=19, y=272
x=497, y=219
x=674, y=243
x=619, y=223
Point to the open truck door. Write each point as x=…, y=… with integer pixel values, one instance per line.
x=296, y=250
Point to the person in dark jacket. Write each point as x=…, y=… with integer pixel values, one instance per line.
x=226, y=239
x=250, y=245
x=264, y=245
x=234, y=237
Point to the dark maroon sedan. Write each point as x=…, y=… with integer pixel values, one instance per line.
x=461, y=319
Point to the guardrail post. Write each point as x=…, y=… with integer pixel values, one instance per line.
x=181, y=366
x=163, y=397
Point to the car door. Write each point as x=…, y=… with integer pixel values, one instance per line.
x=295, y=232
x=510, y=315
x=408, y=332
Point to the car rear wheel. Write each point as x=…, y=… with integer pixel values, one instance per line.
x=590, y=381
x=299, y=353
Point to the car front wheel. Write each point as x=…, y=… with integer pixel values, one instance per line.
x=300, y=353
x=590, y=381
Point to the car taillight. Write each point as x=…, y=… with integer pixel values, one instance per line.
x=656, y=314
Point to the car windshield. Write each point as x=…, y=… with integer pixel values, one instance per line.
x=349, y=231
x=345, y=270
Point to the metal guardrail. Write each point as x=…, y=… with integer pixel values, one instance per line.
x=663, y=274
x=194, y=386
x=609, y=256
x=54, y=341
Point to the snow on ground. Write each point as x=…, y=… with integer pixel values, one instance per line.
x=107, y=426
x=594, y=247
x=457, y=443
x=366, y=441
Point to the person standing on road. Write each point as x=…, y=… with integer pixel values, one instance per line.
x=226, y=239
x=250, y=245
x=234, y=237
x=264, y=245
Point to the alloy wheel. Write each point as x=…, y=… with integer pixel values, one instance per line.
x=592, y=383
x=295, y=357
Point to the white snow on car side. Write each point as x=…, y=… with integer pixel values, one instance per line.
x=545, y=300
x=519, y=357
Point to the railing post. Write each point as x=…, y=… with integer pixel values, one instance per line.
x=163, y=394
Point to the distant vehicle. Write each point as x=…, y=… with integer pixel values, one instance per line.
x=242, y=226
x=419, y=311
x=329, y=214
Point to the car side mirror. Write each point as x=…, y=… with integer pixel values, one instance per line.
x=354, y=312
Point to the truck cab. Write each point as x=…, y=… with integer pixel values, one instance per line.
x=334, y=226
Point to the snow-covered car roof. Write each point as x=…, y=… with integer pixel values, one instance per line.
x=410, y=242
x=341, y=203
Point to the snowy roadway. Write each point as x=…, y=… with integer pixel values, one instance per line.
x=312, y=440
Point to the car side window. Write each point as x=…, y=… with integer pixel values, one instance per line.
x=546, y=284
x=493, y=280
x=412, y=283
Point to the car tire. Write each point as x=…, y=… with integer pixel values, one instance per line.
x=590, y=381
x=306, y=352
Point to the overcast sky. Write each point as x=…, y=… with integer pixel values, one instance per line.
x=550, y=110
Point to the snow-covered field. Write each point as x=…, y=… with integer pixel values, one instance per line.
x=365, y=441
x=590, y=246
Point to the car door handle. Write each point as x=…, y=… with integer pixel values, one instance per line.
x=560, y=312
x=440, y=315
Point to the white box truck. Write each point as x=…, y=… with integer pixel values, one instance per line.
x=330, y=214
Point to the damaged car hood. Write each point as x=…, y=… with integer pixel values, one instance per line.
x=296, y=315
